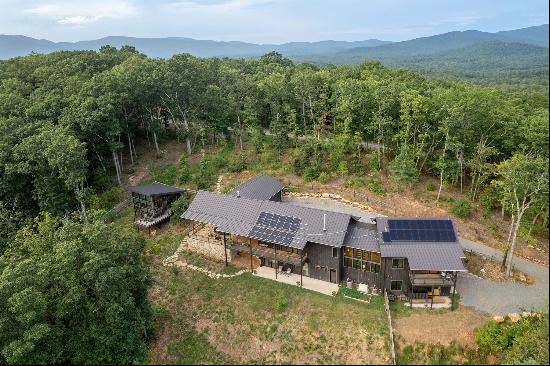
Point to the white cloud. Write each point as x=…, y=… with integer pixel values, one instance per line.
x=224, y=5
x=72, y=13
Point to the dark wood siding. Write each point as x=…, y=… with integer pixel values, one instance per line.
x=396, y=274
x=360, y=276
x=321, y=255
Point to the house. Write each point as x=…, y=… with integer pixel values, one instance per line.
x=152, y=203
x=415, y=258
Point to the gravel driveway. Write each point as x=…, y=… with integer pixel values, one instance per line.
x=493, y=297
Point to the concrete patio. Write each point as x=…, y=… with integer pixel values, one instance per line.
x=312, y=284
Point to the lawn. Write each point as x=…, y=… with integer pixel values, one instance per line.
x=247, y=319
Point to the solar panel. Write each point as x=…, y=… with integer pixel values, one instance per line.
x=275, y=228
x=420, y=230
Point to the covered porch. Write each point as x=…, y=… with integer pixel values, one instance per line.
x=432, y=289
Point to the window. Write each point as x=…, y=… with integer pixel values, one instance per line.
x=362, y=259
x=396, y=285
x=348, y=262
x=397, y=263
x=347, y=252
x=334, y=252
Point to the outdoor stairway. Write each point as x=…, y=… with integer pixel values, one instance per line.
x=147, y=223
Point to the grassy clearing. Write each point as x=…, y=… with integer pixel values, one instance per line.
x=247, y=319
x=439, y=354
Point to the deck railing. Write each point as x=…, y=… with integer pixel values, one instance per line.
x=429, y=279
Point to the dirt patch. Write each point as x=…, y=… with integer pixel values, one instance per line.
x=489, y=269
x=242, y=260
x=431, y=327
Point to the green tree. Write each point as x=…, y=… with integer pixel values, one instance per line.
x=523, y=182
x=402, y=168
x=73, y=293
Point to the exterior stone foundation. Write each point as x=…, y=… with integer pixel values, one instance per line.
x=208, y=248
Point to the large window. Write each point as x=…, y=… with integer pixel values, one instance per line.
x=397, y=263
x=396, y=285
x=362, y=260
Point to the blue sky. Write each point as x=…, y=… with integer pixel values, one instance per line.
x=264, y=21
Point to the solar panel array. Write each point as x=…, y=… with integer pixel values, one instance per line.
x=276, y=229
x=420, y=230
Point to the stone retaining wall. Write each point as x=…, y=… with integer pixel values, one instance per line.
x=210, y=249
x=332, y=196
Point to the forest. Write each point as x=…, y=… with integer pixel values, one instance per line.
x=71, y=122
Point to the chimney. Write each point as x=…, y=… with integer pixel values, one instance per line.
x=325, y=222
x=238, y=193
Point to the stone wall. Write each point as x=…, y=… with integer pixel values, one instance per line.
x=332, y=196
x=209, y=249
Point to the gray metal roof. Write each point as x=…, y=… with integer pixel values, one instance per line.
x=154, y=189
x=362, y=235
x=238, y=215
x=428, y=256
x=261, y=187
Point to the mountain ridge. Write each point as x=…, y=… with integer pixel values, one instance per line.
x=17, y=45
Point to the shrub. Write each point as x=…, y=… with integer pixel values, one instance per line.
x=491, y=336
x=342, y=168
x=462, y=208
x=323, y=178
x=179, y=206
x=310, y=173
x=237, y=163
x=106, y=200
x=430, y=187
x=281, y=302
x=218, y=162
x=185, y=169
x=488, y=199
x=164, y=173
x=376, y=186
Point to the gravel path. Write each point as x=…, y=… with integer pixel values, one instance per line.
x=493, y=297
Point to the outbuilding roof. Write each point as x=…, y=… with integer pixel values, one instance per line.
x=154, y=189
x=261, y=187
x=239, y=215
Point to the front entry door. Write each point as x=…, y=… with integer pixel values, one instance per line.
x=332, y=275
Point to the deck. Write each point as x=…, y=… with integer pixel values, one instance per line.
x=429, y=279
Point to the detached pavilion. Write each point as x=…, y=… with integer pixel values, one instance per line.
x=152, y=203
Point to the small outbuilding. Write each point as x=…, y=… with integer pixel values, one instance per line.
x=152, y=203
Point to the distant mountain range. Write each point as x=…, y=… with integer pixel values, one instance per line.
x=470, y=54
x=12, y=46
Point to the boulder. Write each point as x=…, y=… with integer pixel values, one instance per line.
x=498, y=318
x=526, y=314
x=514, y=317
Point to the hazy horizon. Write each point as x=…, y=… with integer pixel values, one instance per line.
x=262, y=21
